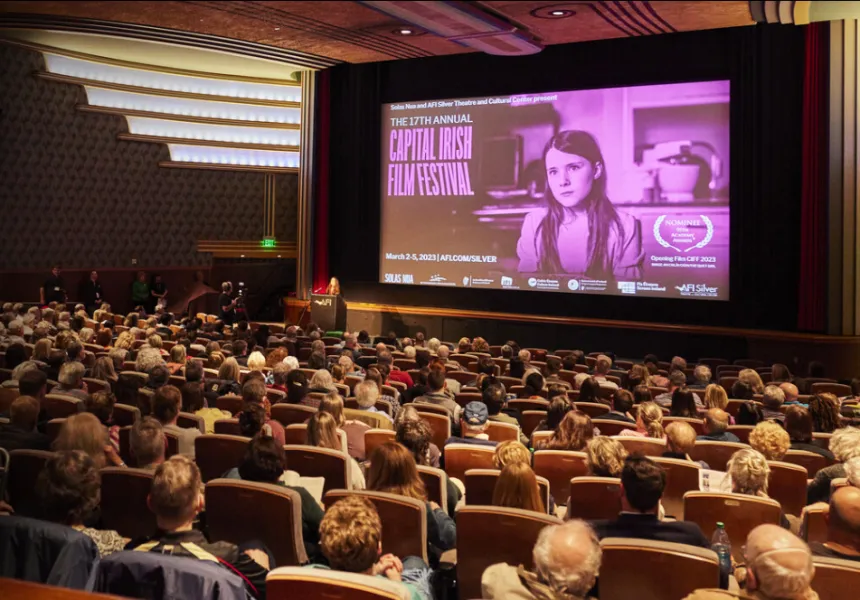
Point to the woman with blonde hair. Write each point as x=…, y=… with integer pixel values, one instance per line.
x=716, y=397
x=42, y=349
x=178, y=358
x=104, y=370
x=750, y=473
x=510, y=452
x=322, y=433
x=125, y=340
x=517, y=487
x=649, y=423
x=573, y=433
x=753, y=379
x=770, y=439
x=216, y=359
x=605, y=457
x=86, y=433
x=256, y=361
x=393, y=470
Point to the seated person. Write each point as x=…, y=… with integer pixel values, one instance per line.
x=680, y=439
x=791, y=393
x=772, y=400
x=798, y=425
x=20, y=432
x=701, y=377
x=159, y=376
x=147, y=443
x=843, y=526
x=436, y=395
x=778, y=565
x=414, y=438
x=622, y=404
x=166, y=405
x=351, y=541
x=750, y=473
x=71, y=381
x=642, y=485
x=517, y=487
x=473, y=426
x=573, y=433
x=68, y=489
x=845, y=445
x=605, y=456
x=770, y=439
x=716, y=424
x=366, y=395
x=323, y=433
x=254, y=392
x=677, y=381
x=551, y=373
x=265, y=462
x=176, y=499
x=494, y=397
x=566, y=558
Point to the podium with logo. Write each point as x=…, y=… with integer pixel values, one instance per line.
x=329, y=311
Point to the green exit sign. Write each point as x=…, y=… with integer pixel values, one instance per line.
x=267, y=243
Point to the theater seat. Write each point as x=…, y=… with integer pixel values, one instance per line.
x=835, y=577
x=406, y=517
x=228, y=427
x=373, y=438
x=593, y=409
x=651, y=570
x=287, y=414
x=296, y=434
x=435, y=484
x=697, y=424
x=502, y=432
x=787, y=485
x=611, y=427
x=530, y=419
x=740, y=514
x=53, y=427
x=191, y=421
x=814, y=527
x=216, y=454
x=24, y=469
x=232, y=404
x=123, y=502
x=481, y=484
x=742, y=432
x=310, y=461
x=525, y=404
x=440, y=424
x=594, y=498
x=539, y=438
x=715, y=454
x=682, y=476
x=60, y=407
x=123, y=414
x=810, y=461
x=837, y=389
x=644, y=446
x=558, y=467
x=487, y=535
x=15, y=589
x=459, y=458
x=287, y=583
x=276, y=517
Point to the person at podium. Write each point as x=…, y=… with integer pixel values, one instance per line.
x=333, y=287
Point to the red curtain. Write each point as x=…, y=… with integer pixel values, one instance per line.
x=812, y=291
x=320, y=206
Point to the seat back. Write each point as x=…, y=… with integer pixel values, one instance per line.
x=740, y=514
x=464, y=398
x=216, y=453
x=228, y=427
x=787, y=485
x=594, y=498
x=287, y=414
x=651, y=570
x=60, y=407
x=53, y=427
x=839, y=390
x=436, y=484
x=592, y=409
x=810, y=461
x=232, y=404
x=530, y=419
x=487, y=535
x=373, y=438
x=611, y=427
x=7, y=397
x=697, y=424
x=286, y=583
x=502, y=432
x=558, y=467
x=440, y=424
x=15, y=589
x=459, y=458
x=481, y=484
x=276, y=519
x=742, y=432
x=123, y=502
x=96, y=385
x=172, y=446
x=529, y=404
x=644, y=446
x=682, y=476
x=296, y=434
x=406, y=516
x=540, y=437
x=814, y=525
x=191, y=421
x=124, y=414
x=24, y=469
x=310, y=461
x=716, y=454
x=374, y=420
x=835, y=576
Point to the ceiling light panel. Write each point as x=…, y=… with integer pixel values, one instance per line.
x=215, y=133
x=191, y=107
x=233, y=156
x=94, y=71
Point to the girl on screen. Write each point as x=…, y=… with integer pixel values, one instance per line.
x=579, y=231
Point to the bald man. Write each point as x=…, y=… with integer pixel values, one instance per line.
x=716, y=424
x=566, y=557
x=778, y=565
x=791, y=393
x=843, y=526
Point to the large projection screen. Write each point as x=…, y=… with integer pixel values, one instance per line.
x=621, y=191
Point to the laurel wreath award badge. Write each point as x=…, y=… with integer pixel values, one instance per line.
x=709, y=234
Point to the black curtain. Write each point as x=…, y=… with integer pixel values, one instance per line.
x=765, y=66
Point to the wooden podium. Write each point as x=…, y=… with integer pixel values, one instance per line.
x=328, y=311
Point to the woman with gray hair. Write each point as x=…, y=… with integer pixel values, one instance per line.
x=845, y=446
x=71, y=381
x=567, y=560
x=750, y=473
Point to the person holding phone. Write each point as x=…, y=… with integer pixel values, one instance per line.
x=579, y=231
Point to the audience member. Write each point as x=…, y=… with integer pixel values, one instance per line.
x=147, y=443
x=680, y=440
x=750, y=473
x=473, y=426
x=601, y=370
x=716, y=423
x=753, y=379
x=750, y=413
x=824, y=409
x=323, y=433
x=493, y=396
x=790, y=393
x=69, y=488
x=71, y=381
x=567, y=561
x=770, y=439
x=573, y=433
x=622, y=404
x=351, y=540
x=166, y=406
x=605, y=457
x=649, y=422
x=798, y=425
x=843, y=526
x=642, y=485
x=701, y=377
x=552, y=371
x=437, y=386
x=683, y=404
x=517, y=487
x=254, y=392
x=415, y=434
x=741, y=390
x=194, y=402
x=716, y=397
x=353, y=429
x=20, y=432
x=677, y=380
x=772, y=401
x=366, y=395
x=83, y=431
x=101, y=405
x=845, y=446
x=176, y=499
x=297, y=387
x=780, y=374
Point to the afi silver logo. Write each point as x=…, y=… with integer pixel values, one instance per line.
x=324, y=302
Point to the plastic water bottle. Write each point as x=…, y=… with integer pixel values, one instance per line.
x=721, y=544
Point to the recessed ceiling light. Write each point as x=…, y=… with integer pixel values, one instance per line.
x=277, y=28
x=405, y=31
x=557, y=11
